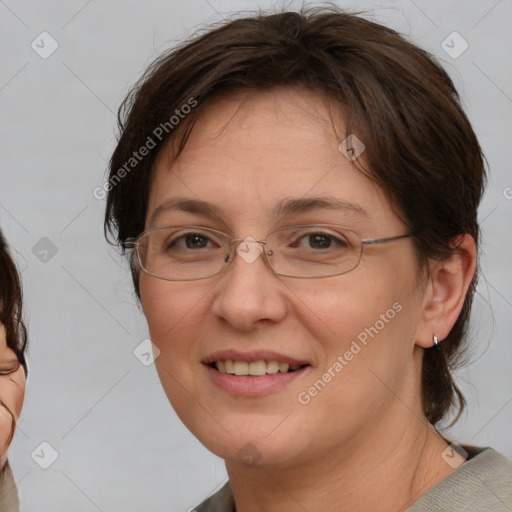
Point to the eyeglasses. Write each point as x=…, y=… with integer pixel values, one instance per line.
x=186, y=253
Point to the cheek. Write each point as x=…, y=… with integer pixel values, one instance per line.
x=347, y=309
x=19, y=380
x=359, y=354
x=168, y=307
x=359, y=329
x=12, y=391
x=12, y=394
x=174, y=313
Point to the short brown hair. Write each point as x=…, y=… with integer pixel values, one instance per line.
x=420, y=146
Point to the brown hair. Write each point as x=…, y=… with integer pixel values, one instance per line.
x=420, y=146
x=11, y=296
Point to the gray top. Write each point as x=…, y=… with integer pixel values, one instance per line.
x=8, y=492
x=482, y=484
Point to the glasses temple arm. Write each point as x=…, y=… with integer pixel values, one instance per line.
x=387, y=239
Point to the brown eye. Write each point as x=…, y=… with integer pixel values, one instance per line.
x=319, y=241
x=189, y=240
x=196, y=241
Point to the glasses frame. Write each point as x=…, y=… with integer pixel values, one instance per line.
x=132, y=243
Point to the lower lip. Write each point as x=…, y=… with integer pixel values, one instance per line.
x=246, y=385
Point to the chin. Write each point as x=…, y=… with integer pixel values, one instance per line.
x=246, y=445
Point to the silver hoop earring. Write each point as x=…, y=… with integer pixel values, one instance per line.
x=436, y=341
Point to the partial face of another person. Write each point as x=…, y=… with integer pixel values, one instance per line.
x=245, y=157
x=12, y=393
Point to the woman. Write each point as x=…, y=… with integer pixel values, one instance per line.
x=299, y=194
x=13, y=370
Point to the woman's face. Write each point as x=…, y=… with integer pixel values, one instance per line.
x=12, y=392
x=355, y=332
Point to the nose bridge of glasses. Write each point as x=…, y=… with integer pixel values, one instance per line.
x=247, y=248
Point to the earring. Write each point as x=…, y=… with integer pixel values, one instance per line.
x=436, y=341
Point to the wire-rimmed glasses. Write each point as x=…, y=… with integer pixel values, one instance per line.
x=186, y=253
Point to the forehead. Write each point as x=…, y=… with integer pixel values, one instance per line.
x=252, y=151
x=274, y=125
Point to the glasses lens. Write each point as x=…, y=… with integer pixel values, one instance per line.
x=313, y=251
x=182, y=252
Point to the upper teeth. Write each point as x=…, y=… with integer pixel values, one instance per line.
x=255, y=368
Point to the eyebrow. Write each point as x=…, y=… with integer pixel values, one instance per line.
x=282, y=209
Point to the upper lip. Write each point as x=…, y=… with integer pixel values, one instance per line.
x=250, y=357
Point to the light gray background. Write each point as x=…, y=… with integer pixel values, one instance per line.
x=120, y=446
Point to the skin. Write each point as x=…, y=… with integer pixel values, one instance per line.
x=12, y=393
x=366, y=428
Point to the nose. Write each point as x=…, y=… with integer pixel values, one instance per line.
x=249, y=293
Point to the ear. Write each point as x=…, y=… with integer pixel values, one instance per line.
x=446, y=290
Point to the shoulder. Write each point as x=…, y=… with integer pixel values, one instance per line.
x=221, y=501
x=8, y=492
x=483, y=482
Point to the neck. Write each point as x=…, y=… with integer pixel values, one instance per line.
x=385, y=469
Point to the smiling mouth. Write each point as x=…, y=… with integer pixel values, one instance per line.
x=254, y=368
